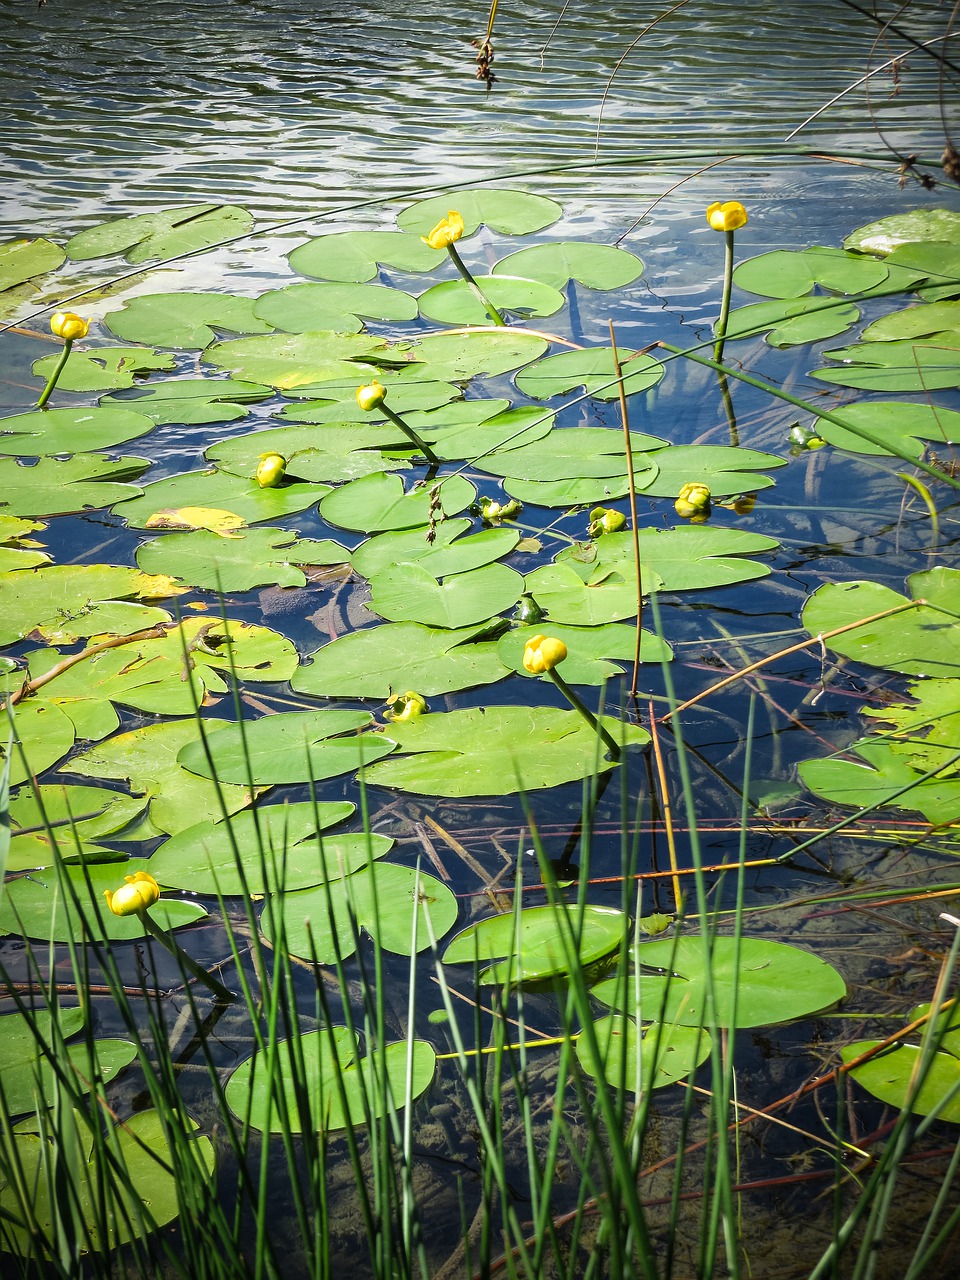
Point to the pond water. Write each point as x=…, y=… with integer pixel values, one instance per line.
x=333, y=120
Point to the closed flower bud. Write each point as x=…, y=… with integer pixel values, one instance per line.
x=371, y=396
x=447, y=231
x=693, y=503
x=492, y=512
x=69, y=326
x=605, y=520
x=728, y=216
x=405, y=706
x=542, y=654
x=270, y=470
x=136, y=894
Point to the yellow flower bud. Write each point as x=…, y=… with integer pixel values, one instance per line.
x=371, y=396
x=728, y=216
x=543, y=653
x=68, y=325
x=271, y=470
x=405, y=706
x=447, y=231
x=136, y=894
x=605, y=520
x=693, y=503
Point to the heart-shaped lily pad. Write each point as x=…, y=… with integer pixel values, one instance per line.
x=186, y=320
x=253, y=558
x=165, y=234
x=240, y=495
x=58, y=486
x=290, y=360
x=454, y=301
x=305, y=308
x=598, y=266
x=667, y=1053
x=103, y=368
x=593, y=369
x=410, y=593
x=191, y=401
x=379, y=502
x=533, y=943
x=355, y=256
x=80, y=430
x=515, y=213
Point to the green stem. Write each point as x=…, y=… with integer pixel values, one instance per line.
x=55, y=376
x=721, y=329
x=188, y=962
x=482, y=298
x=411, y=435
x=612, y=746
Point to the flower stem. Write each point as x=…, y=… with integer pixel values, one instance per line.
x=482, y=298
x=188, y=962
x=585, y=711
x=55, y=376
x=721, y=329
x=411, y=435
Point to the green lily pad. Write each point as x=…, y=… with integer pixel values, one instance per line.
x=410, y=593
x=57, y=486
x=892, y=1075
x=889, y=233
x=379, y=502
x=145, y=1196
x=515, y=213
x=788, y=274
x=70, y=602
x=290, y=360
x=767, y=982
x=686, y=558
x=337, y=400
x=45, y=734
x=379, y=661
x=939, y=261
x=588, y=650
x=19, y=558
x=356, y=256
x=80, y=430
x=28, y=1078
x=454, y=301
x=457, y=357
x=591, y=369
x=253, y=558
x=914, y=322
x=471, y=429
x=900, y=426
x=725, y=470
x=103, y=368
x=225, y=857
x=62, y=816
x=189, y=321
x=449, y=552
x=534, y=941
x=668, y=1053
x=331, y=1063
x=878, y=774
x=146, y=759
x=923, y=641
x=332, y=452
x=305, y=308
x=565, y=597
x=917, y=365
x=578, y=452
x=165, y=234
x=793, y=322
x=572, y=492
x=381, y=898
x=598, y=266
x=222, y=491
x=294, y=746
x=36, y=906
x=926, y=732
x=192, y=401
x=22, y=260
x=481, y=751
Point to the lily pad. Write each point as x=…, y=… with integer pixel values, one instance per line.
x=356, y=256
x=793, y=322
x=592, y=369
x=379, y=502
x=60, y=817
x=565, y=597
x=381, y=898
x=939, y=261
x=278, y=847
x=454, y=301
x=189, y=321
x=571, y=492
x=767, y=982
x=879, y=773
x=103, y=368
x=22, y=260
x=887, y=234
x=686, y=558
x=64, y=431
x=785, y=273
x=29, y=1082
x=902, y=427
x=44, y=733
x=668, y=1053
x=588, y=650
x=468, y=430
x=926, y=732
x=598, y=266
x=534, y=941
x=515, y=213
x=725, y=470
x=457, y=357
x=892, y=1075
x=294, y=746
x=57, y=486
x=481, y=751
x=410, y=593
x=305, y=308
x=379, y=661
x=253, y=558
x=219, y=489
x=914, y=322
x=449, y=552
x=290, y=360
x=332, y=452
x=330, y=1064
x=578, y=452
x=927, y=364
x=70, y=602
x=192, y=401
x=165, y=234
x=336, y=401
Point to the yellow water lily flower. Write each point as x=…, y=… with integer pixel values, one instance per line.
x=447, y=231
x=405, y=706
x=693, y=502
x=542, y=654
x=371, y=396
x=136, y=894
x=727, y=216
x=69, y=326
x=270, y=470
x=605, y=520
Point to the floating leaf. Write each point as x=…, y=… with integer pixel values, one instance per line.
x=515, y=213
x=379, y=661
x=331, y=452
x=588, y=649
x=939, y=261
x=29, y=1082
x=254, y=558
x=902, y=426
x=60, y=817
x=56, y=486
x=785, y=273
x=879, y=774
x=45, y=734
x=919, y=365
x=578, y=452
x=481, y=751
x=686, y=558
x=294, y=746
x=535, y=942
x=668, y=1053
x=290, y=360
x=80, y=430
x=456, y=357
x=147, y=759
x=22, y=260
x=914, y=322
x=330, y=1064
x=564, y=596
x=889, y=233
x=239, y=494
x=793, y=322
x=192, y=401
x=165, y=234
x=70, y=602
x=892, y=1075
x=19, y=558
x=593, y=369
x=381, y=898
x=572, y=492
x=923, y=641
x=927, y=731
x=767, y=982
x=189, y=321
x=305, y=308
x=475, y=429
x=222, y=522
x=455, y=302
x=337, y=400
x=598, y=266
x=410, y=593
x=379, y=502
x=355, y=256
x=225, y=857
x=725, y=470
x=449, y=552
